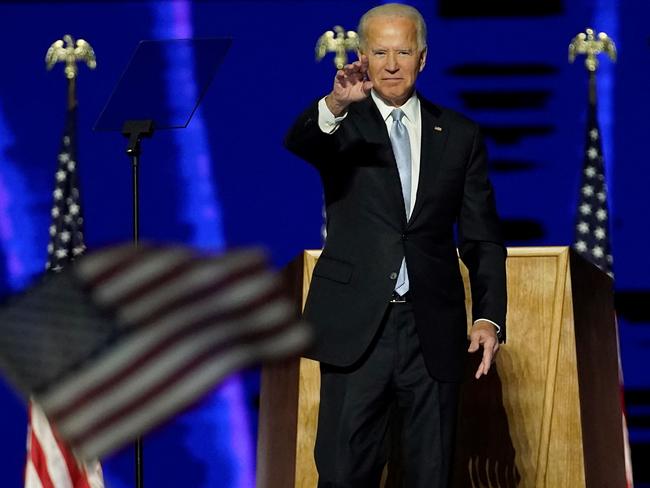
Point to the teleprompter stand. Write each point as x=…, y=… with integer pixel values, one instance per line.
x=161, y=87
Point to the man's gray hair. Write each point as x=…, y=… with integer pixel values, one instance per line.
x=394, y=10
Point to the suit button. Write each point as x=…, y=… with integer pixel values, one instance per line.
x=393, y=276
x=405, y=237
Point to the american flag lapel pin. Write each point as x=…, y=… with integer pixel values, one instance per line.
x=437, y=128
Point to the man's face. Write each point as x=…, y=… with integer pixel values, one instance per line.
x=394, y=60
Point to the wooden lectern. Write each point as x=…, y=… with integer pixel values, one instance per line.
x=548, y=415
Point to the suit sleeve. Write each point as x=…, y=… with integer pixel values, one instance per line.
x=307, y=141
x=480, y=243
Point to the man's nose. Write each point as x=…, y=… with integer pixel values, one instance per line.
x=391, y=63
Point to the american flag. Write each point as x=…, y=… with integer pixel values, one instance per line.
x=148, y=331
x=50, y=462
x=592, y=221
x=66, y=229
x=592, y=239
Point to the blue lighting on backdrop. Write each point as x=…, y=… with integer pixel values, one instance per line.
x=209, y=435
x=200, y=207
x=226, y=181
x=22, y=259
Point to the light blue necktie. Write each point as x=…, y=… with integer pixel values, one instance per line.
x=399, y=138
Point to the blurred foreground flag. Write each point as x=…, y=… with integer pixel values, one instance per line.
x=126, y=337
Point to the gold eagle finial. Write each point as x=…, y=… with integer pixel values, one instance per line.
x=69, y=52
x=338, y=41
x=591, y=45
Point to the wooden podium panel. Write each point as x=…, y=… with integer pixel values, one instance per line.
x=547, y=415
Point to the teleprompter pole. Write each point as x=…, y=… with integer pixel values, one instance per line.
x=134, y=131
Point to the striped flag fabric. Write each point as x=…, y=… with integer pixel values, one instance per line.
x=50, y=461
x=149, y=331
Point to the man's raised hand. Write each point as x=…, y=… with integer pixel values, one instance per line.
x=351, y=84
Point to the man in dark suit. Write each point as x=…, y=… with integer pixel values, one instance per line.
x=387, y=298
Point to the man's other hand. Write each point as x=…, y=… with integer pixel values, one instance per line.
x=351, y=84
x=484, y=333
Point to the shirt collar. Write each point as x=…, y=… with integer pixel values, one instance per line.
x=410, y=107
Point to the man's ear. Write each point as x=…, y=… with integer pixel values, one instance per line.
x=423, y=59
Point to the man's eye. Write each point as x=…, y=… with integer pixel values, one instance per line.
x=380, y=53
x=405, y=53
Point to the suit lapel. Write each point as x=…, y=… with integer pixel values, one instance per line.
x=433, y=142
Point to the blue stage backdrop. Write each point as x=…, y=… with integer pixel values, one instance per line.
x=226, y=180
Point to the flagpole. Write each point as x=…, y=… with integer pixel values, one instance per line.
x=72, y=93
x=66, y=244
x=592, y=219
x=591, y=45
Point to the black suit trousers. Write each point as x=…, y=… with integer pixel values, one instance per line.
x=389, y=383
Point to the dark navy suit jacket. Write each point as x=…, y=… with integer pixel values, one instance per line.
x=368, y=235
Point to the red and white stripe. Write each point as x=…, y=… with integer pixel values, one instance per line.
x=191, y=322
x=627, y=452
x=51, y=463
